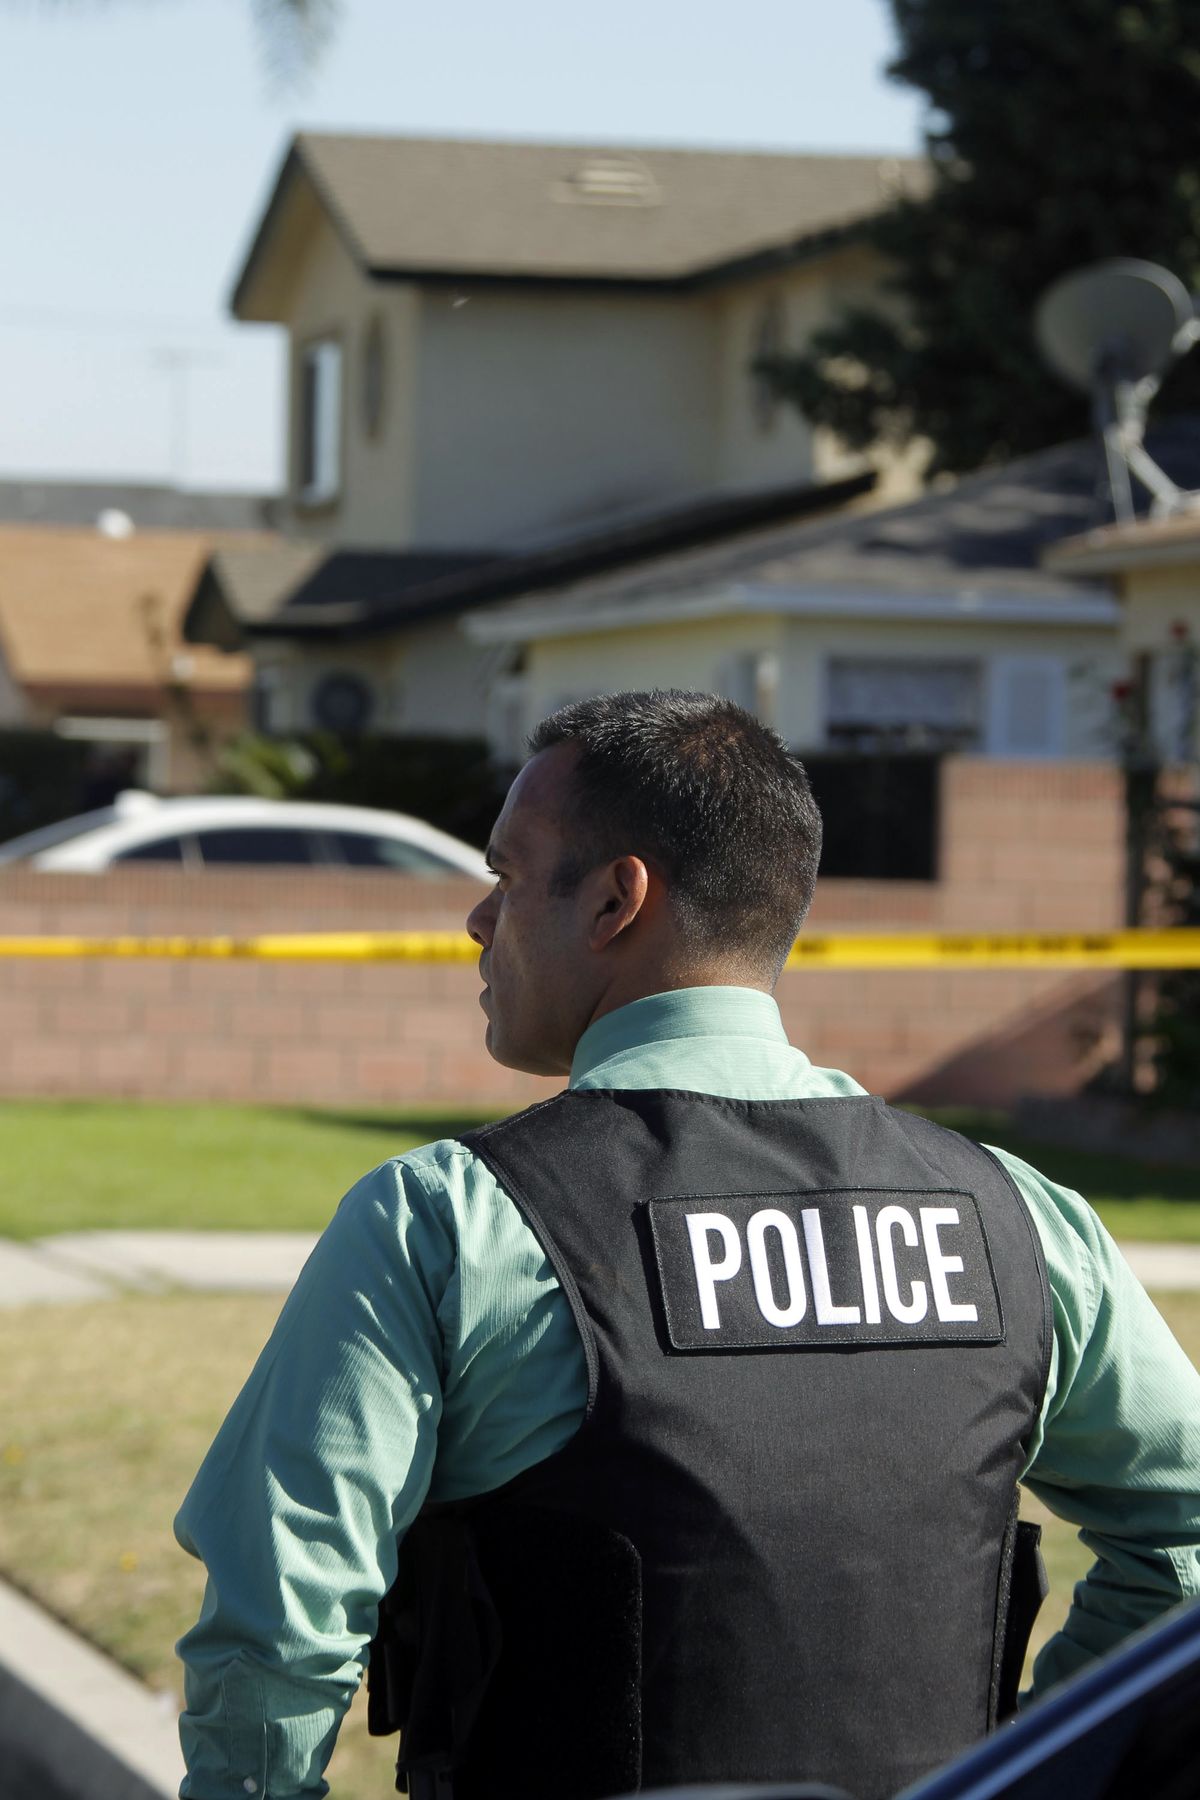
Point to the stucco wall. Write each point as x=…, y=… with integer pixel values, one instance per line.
x=1158, y=602
x=762, y=446
x=1025, y=848
x=702, y=654
x=332, y=298
x=432, y=680
x=509, y=413
x=541, y=410
x=1158, y=599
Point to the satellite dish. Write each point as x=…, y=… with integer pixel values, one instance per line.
x=1113, y=330
x=1120, y=319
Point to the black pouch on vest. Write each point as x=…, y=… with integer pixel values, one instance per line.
x=1024, y=1585
x=434, y=1653
x=433, y=1672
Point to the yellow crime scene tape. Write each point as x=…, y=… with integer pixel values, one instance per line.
x=1177, y=948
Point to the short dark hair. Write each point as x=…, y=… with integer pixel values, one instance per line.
x=709, y=793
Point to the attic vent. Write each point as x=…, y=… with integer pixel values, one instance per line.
x=609, y=181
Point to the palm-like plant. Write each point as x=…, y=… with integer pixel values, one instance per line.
x=292, y=32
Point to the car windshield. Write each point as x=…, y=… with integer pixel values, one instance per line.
x=61, y=832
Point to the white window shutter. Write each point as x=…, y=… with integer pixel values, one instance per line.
x=1027, y=711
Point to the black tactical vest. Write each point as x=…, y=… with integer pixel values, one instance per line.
x=780, y=1546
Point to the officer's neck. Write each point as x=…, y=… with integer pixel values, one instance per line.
x=631, y=985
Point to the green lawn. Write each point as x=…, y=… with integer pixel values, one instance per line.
x=84, y=1165
x=91, y=1165
x=1137, y=1199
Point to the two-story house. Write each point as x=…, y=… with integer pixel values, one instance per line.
x=508, y=351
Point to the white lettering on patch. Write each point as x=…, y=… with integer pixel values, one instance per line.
x=941, y=1265
x=708, y=1272
x=771, y=1219
x=854, y=1266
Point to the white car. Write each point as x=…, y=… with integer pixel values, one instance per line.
x=216, y=831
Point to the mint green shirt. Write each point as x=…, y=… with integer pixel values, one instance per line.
x=427, y=1350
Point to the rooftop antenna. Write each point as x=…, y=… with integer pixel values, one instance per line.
x=1112, y=330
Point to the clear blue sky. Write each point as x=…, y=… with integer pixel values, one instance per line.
x=139, y=139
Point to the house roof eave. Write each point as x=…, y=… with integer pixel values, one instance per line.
x=247, y=301
x=209, y=618
x=1093, y=609
x=1116, y=549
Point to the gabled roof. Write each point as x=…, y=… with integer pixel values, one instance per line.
x=286, y=588
x=438, y=208
x=81, y=611
x=302, y=591
x=971, y=550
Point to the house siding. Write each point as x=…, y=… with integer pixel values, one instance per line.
x=331, y=297
x=540, y=411
x=698, y=654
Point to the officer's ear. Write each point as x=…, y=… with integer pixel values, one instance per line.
x=619, y=894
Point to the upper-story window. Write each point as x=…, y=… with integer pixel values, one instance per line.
x=320, y=421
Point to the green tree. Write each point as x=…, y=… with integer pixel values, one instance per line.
x=1058, y=134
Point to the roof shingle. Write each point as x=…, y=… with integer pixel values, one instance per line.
x=84, y=610
x=573, y=212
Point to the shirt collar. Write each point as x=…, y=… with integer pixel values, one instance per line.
x=696, y=1012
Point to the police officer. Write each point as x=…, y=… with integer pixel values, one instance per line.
x=670, y=1430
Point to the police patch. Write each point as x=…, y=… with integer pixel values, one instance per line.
x=800, y=1271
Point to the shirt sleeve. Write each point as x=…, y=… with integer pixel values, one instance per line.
x=323, y=1461
x=426, y=1349
x=1117, y=1447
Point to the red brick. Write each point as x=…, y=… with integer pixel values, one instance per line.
x=89, y=1014
x=275, y=1020
x=189, y=1018
x=130, y=1067
x=305, y=1069
x=51, y=1066
x=212, y=978
x=219, y=1071
x=353, y=1024
x=23, y=1018
x=400, y=1077
x=130, y=976
x=53, y=974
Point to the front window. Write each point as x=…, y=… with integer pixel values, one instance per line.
x=877, y=703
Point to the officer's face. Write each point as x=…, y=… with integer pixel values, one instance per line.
x=541, y=984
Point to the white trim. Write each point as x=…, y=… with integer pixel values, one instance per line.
x=112, y=731
x=150, y=735
x=967, y=608
x=324, y=357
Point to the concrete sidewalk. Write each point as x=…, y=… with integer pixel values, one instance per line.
x=99, y=1265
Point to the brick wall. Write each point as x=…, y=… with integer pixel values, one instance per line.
x=1024, y=847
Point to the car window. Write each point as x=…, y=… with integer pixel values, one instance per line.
x=366, y=850
x=257, y=844
x=166, y=849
